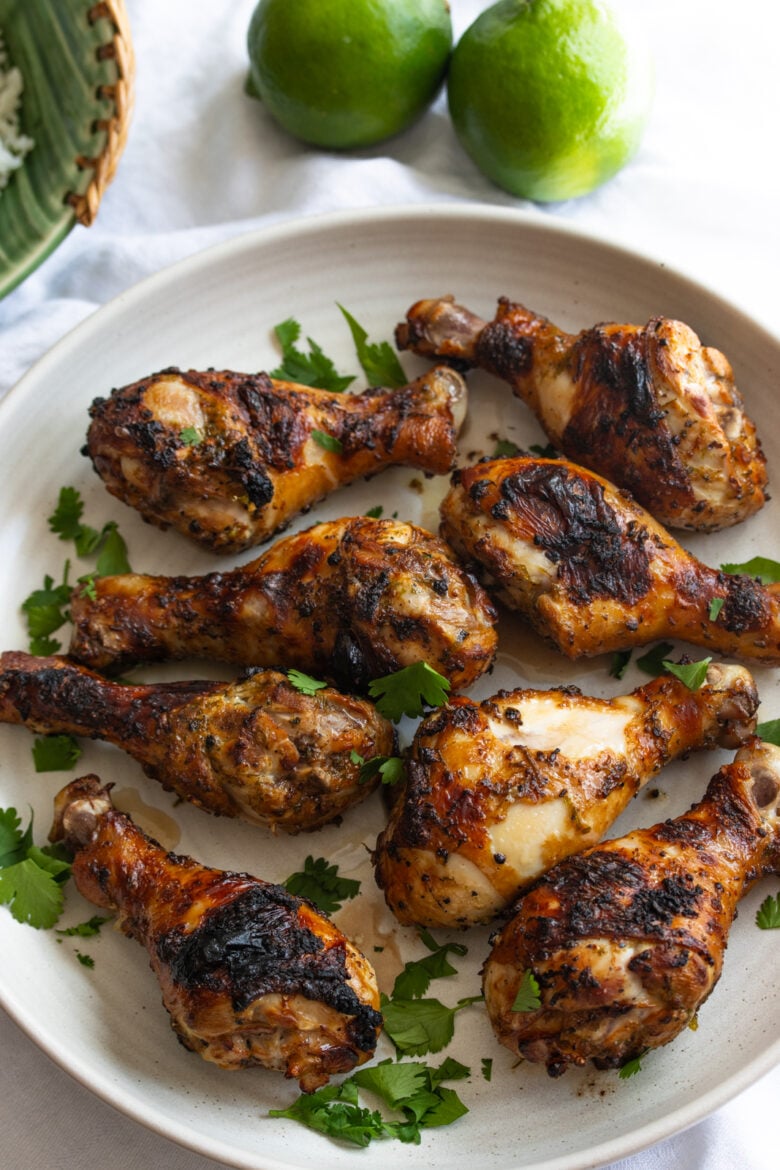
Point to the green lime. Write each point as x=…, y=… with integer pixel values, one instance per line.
x=348, y=73
x=549, y=97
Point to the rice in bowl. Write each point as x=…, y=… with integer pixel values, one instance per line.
x=13, y=144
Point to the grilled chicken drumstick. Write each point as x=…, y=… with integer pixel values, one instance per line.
x=250, y=974
x=649, y=408
x=626, y=940
x=349, y=600
x=591, y=570
x=257, y=748
x=228, y=459
x=498, y=791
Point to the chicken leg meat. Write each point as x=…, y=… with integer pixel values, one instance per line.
x=649, y=408
x=348, y=600
x=250, y=974
x=496, y=792
x=592, y=570
x=626, y=940
x=257, y=748
x=228, y=459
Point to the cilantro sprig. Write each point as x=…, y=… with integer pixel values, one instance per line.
x=768, y=913
x=411, y=1088
x=390, y=769
x=415, y=978
x=31, y=878
x=55, y=753
x=767, y=570
x=692, y=674
x=320, y=883
x=308, y=369
x=378, y=361
x=408, y=691
x=418, y=1026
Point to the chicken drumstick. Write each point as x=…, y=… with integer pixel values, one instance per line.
x=498, y=791
x=649, y=408
x=228, y=459
x=250, y=974
x=257, y=748
x=591, y=570
x=626, y=940
x=349, y=600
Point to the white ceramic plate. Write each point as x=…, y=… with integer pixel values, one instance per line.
x=106, y=1025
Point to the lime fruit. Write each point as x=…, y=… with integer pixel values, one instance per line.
x=549, y=97
x=348, y=73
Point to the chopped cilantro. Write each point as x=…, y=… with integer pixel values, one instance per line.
x=487, y=1067
x=191, y=437
x=630, y=1068
x=328, y=442
x=55, y=753
x=375, y=512
x=389, y=768
x=44, y=612
x=86, y=929
x=408, y=691
x=716, y=605
x=319, y=883
x=527, y=998
x=417, y=1026
x=692, y=674
x=770, y=731
x=312, y=369
x=415, y=979
x=304, y=682
x=379, y=361
x=505, y=449
x=85, y=960
x=412, y=1088
x=619, y=664
x=768, y=571
x=652, y=662
x=30, y=877
x=768, y=913
x=546, y=452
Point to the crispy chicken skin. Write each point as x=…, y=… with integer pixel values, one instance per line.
x=256, y=748
x=349, y=600
x=228, y=459
x=649, y=408
x=250, y=974
x=591, y=570
x=626, y=940
x=499, y=791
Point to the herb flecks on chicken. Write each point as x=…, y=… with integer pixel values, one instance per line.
x=257, y=748
x=592, y=570
x=349, y=600
x=229, y=459
x=627, y=939
x=250, y=974
x=498, y=791
x=649, y=408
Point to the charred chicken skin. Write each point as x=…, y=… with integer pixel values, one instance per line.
x=626, y=940
x=650, y=408
x=591, y=570
x=348, y=600
x=498, y=791
x=257, y=748
x=250, y=974
x=228, y=459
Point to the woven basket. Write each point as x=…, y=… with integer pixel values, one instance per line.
x=77, y=61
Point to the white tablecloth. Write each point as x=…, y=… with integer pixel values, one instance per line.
x=204, y=163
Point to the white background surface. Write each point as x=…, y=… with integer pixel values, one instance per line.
x=203, y=163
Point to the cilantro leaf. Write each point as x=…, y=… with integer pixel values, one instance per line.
x=631, y=1067
x=769, y=731
x=619, y=664
x=34, y=896
x=86, y=929
x=390, y=768
x=312, y=369
x=716, y=605
x=326, y=441
x=319, y=883
x=375, y=512
x=652, y=662
x=545, y=452
x=378, y=361
x=487, y=1067
x=692, y=674
x=527, y=998
x=85, y=960
x=13, y=843
x=191, y=437
x=414, y=980
x=65, y=520
x=505, y=449
x=113, y=553
x=304, y=682
x=417, y=1026
x=55, y=753
x=768, y=571
x=408, y=691
x=768, y=913
x=44, y=612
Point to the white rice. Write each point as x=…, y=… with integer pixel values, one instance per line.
x=13, y=144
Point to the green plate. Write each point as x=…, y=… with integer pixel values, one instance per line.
x=61, y=48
